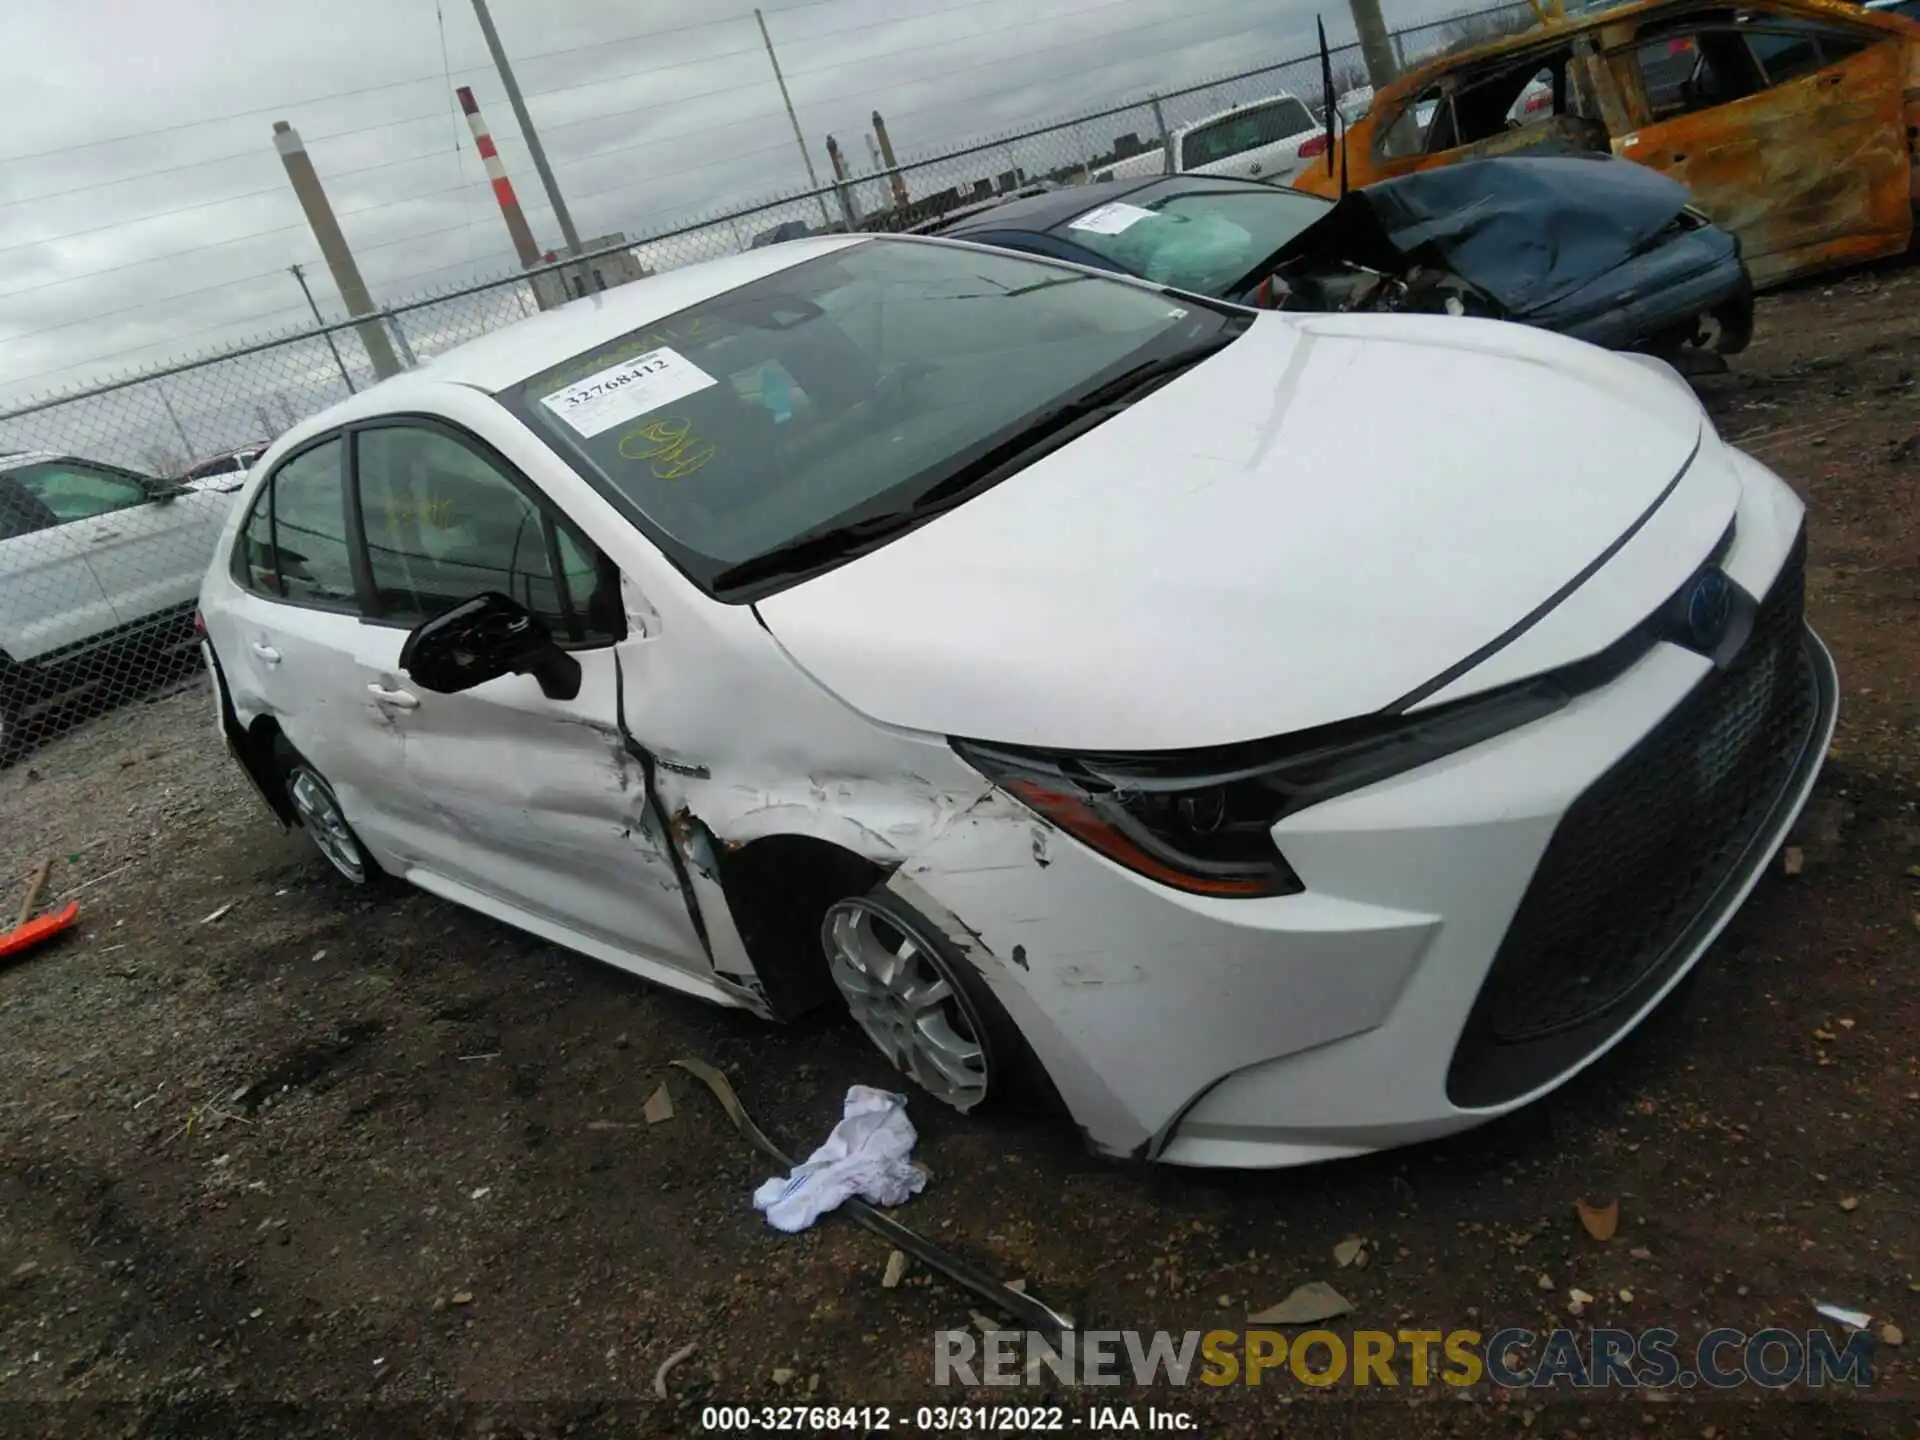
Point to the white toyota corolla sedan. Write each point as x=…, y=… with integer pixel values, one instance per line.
x=1221, y=722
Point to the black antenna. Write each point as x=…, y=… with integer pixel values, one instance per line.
x=1326, y=100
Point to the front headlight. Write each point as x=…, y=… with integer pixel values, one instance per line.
x=1202, y=820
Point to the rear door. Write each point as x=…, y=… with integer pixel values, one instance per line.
x=1789, y=132
x=295, y=648
x=49, y=598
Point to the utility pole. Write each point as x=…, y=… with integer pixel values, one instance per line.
x=320, y=319
x=1376, y=44
x=806, y=156
x=333, y=245
x=527, y=132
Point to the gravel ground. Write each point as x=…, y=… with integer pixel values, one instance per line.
x=328, y=1163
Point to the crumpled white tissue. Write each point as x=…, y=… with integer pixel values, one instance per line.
x=866, y=1155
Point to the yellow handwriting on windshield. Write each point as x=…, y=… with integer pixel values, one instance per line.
x=668, y=445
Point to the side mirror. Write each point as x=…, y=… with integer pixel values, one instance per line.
x=482, y=639
x=166, y=494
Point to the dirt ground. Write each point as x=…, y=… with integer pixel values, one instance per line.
x=382, y=1163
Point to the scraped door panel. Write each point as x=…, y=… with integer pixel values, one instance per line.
x=537, y=803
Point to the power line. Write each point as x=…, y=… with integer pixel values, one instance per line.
x=282, y=106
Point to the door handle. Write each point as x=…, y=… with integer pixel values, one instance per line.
x=266, y=653
x=100, y=537
x=399, y=699
x=1253, y=170
x=1831, y=79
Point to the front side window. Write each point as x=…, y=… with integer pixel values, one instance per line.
x=841, y=388
x=444, y=524
x=294, y=543
x=1204, y=240
x=73, y=491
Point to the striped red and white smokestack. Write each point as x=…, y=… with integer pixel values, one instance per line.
x=515, y=217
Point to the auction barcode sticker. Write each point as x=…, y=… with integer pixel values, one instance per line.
x=1111, y=219
x=620, y=392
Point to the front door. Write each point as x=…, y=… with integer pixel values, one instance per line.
x=1789, y=132
x=531, y=800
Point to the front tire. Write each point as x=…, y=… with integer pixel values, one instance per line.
x=923, y=1006
x=318, y=810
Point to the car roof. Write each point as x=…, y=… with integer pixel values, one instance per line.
x=502, y=357
x=1049, y=212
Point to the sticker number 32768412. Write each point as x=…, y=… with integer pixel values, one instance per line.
x=620, y=392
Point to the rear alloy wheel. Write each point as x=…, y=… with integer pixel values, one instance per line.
x=320, y=815
x=918, y=1001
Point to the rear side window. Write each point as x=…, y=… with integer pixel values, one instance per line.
x=294, y=544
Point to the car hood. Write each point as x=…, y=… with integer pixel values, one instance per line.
x=1526, y=231
x=1301, y=529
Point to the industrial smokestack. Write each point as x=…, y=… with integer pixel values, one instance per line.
x=849, y=207
x=516, y=218
x=333, y=246
x=894, y=178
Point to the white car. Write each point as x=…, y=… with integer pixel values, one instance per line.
x=1083, y=680
x=99, y=569
x=1272, y=140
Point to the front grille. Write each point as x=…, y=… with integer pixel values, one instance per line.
x=1639, y=860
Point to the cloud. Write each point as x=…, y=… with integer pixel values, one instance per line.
x=134, y=229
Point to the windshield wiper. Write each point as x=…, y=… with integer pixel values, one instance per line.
x=813, y=548
x=1051, y=429
x=1042, y=435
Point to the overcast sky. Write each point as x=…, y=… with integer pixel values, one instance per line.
x=144, y=214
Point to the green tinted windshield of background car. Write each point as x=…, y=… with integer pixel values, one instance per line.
x=771, y=410
x=1199, y=240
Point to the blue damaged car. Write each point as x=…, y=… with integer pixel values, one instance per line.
x=1600, y=249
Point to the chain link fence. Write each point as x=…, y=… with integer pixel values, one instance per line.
x=111, y=497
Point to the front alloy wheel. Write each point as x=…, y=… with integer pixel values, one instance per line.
x=907, y=994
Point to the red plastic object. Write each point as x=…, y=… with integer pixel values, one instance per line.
x=16, y=942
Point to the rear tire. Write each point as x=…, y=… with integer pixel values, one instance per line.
x=923, y=1004
x=317, y=809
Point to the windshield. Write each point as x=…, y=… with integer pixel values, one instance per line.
x=1201, y=240
x=838, y=390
